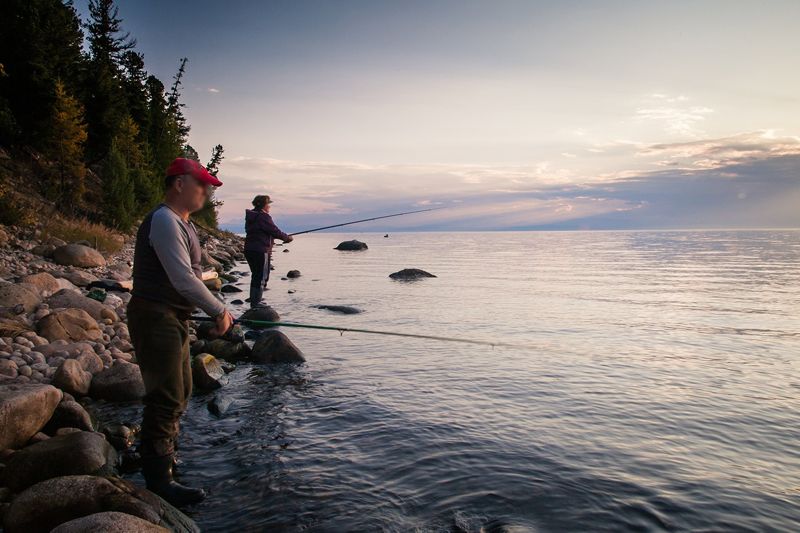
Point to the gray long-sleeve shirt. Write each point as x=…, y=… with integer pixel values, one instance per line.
x=167, y=265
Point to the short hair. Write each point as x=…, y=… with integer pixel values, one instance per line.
x=169, y=181
x=260, y=201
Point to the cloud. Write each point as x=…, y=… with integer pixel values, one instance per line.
x=213, y=90
x=677, y=118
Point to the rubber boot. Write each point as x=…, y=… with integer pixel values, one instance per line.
x=157, y=473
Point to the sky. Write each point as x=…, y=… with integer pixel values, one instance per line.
x=508, y=114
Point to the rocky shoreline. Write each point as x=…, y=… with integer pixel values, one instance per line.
x=64, y=344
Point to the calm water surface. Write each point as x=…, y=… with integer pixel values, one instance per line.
x=662, y=392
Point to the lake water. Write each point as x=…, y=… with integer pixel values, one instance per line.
x=661, y=392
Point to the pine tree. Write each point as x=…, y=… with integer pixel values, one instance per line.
x=118, y=190
x=208, y=214
x=66, y=149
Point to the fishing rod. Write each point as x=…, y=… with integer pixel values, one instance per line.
x=366, y=220
x=343, y=330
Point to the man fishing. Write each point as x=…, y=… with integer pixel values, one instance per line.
x=261, y=235
x=167, y=287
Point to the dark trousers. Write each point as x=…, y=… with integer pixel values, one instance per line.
x=259, y=274
x=160, y=336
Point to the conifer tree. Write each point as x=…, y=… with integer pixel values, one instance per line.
x=66, y=149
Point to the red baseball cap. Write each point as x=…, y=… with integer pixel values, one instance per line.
x=181, y=165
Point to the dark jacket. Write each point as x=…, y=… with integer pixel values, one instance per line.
x=261, y=231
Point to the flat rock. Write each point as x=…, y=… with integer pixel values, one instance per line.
x=69, y=325
x=24, y=411
x=343, y=309
x=351, y=246
x=109, y=522
x=80, y=278
x=122, y=382
x=73, y=300
x=52, y=502
x=78, y=255
x=273, y=346
x=12, y=294
x=411, y=274
x=79, y=452
x=207, y=373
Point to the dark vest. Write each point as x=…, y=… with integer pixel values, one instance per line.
x=150, y=280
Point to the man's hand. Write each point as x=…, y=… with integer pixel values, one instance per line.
x=289, y=238
x=224, y=323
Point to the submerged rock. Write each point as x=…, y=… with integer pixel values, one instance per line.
x=344, y=309
x=207, y=373
x=219, y=404
x=80, y=452
x=293, y=274
x=275, y=347
x=410, y=274
x=24, y=410
x=352, y=246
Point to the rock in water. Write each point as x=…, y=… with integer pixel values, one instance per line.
x=231, y=351
x=109, y=522
x=293, y=274
x=122, y=382
x=219, y=405
x=12, y=294
x=82, y=452
x=69, y=325
x=411, y=274
x=78, y=255
x=344, y=309
x=72, y=378
x=266, y=314
x=230, y=288
x=49, y=503
x=24, y=410
x=351, y=246
x=275, y=347
x=207, y=373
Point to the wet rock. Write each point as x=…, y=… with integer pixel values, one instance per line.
x=69, y=325
x=78, y=255
x=73, y=300
x=292, y=274
x=207, y=373
x=12, y=294
x=411, y=274
x=230, y=288
x=275, y=347
x=79, y=452
x=219, y=404
x=45, y=283
x=224, y=349
x=120, y=436
x=24, y=410
x=351, y=246
x=266, y=314
x=69, y=414
x=109, y=522
x=237, y=302
x=50, y=503
x=122, y=382
x=72, y=378
x=343, y=309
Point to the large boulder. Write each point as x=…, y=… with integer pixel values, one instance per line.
x=45, y=283
x=109, y=522
x=207, y=373
x=69, y=325
x=73, y=300
x=24, y=410
x=228, y=350
x=50, y=503
x=81, y=452
x=78, y=255
x=411, y=274
x=275, y=347
x=119, y=383
x=71, y=349
x=69, y=414
x=351, y=246
x=72, y=378
x=266, y=314
x=12, y=294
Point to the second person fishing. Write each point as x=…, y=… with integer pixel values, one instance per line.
x=261, y=234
